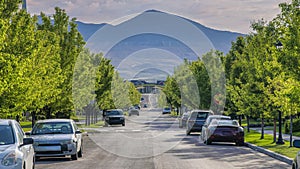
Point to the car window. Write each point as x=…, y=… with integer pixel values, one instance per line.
x=6, y=136
x=114, y=112
x=52, y=128
x=20, y=133
x=200, y=115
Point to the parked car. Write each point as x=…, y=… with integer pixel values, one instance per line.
x=137, y=107
x=296, y=162
x=207, y=123
x=16, y=150
x=224, y=131
x=183, y=119
x=196, y=120
x=114, y=116
x=133, y=112
x=166, y=110
x=57, y=137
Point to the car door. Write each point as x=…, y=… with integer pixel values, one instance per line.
x=78, y=136
x=27, y=150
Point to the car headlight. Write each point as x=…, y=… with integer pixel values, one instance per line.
x=10, y=159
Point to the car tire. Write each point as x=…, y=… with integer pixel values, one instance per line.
x=208, y=142
x=123, y=124
x=239, y=143
x=80, y=151
x=294, y=166
x=33, y=162
x=74, y=156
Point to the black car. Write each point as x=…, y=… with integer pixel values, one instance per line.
x=296, y=162
x=114, y=116
x=196, y=120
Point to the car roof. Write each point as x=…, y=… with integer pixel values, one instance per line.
x=219, y=116
x=196, y=111
x=6, y=121
x=54, y=120
x=114, y=110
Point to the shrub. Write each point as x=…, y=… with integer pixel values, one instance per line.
x=296, y=125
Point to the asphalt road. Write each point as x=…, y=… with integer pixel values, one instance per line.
x=154, y=141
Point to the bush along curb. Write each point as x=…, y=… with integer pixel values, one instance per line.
x=270, y=153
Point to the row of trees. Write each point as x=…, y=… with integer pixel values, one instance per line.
x=262, y=72
x=46, y=71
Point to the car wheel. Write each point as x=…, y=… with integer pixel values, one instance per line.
x=294, y=166
x=80, y=151
x=123, y=124
x=33, y=163
x=208, y=142
x=239, y=143
x=75, y=156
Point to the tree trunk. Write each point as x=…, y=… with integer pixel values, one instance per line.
x=248, y=123
x=291, y=131
x=274, y=130
x=262, y=126
x=33, y=115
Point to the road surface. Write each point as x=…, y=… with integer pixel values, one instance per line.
x=154, y=141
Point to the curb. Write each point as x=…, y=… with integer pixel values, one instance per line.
x=270, y=153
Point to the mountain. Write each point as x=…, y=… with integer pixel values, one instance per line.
x=220, y=39
x=150, y=45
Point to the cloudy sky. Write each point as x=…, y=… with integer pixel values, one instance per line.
x=232, y=15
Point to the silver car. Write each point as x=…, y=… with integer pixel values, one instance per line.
x=16, y=151
x=57, y=137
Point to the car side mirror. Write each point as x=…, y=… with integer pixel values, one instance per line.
x=77, y=132
x=27, y=141
x=296, y=143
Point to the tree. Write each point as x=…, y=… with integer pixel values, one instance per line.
x=71, y=44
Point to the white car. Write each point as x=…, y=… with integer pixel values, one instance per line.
x=57, y=137
x=16, y=151
x=166, y=110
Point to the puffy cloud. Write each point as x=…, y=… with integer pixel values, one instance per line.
x=233, y=15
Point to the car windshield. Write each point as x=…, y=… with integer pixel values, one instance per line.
x=52, y=128
x=200, y=115
x=6, y=135
x=114, y=112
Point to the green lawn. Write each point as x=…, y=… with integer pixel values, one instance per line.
x=253, y=137
x=26, y=125
x=97, y=125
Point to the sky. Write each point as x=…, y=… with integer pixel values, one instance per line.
x=229, y=15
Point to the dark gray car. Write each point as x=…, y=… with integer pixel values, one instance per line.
x=196, y=120
x=114, y=116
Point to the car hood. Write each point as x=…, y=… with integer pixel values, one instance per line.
x=49, y=137
x=116, y=116
x=4, y=149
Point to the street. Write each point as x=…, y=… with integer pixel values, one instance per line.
x=154, y=141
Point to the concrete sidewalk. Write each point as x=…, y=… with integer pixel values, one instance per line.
x=285, y=137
